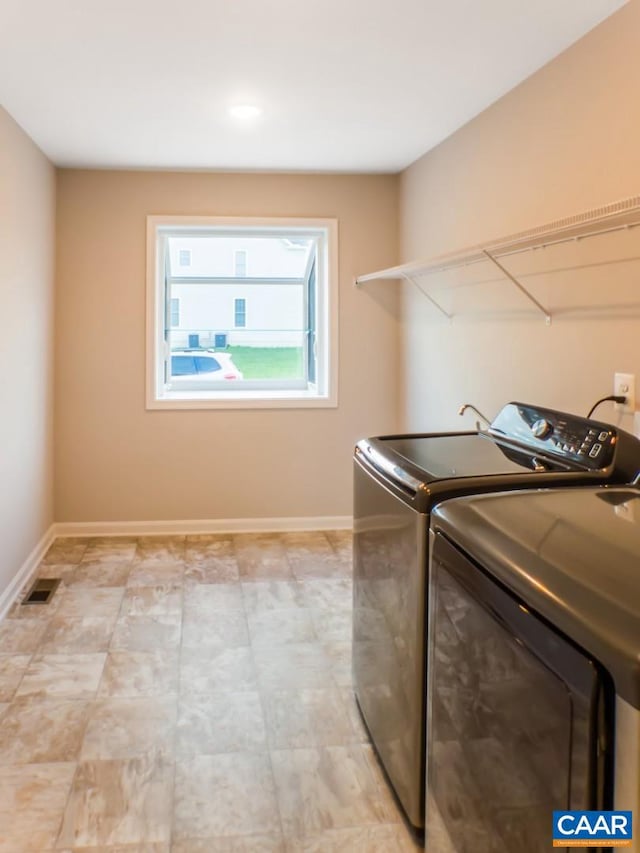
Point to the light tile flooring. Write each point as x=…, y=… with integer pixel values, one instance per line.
x=189, y=694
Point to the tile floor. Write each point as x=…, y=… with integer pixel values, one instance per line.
x=189, y=694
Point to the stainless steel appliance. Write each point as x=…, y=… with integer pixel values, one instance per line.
x=534, y=676
x=397, y=481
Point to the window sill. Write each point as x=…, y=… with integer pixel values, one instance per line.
x=294, y=399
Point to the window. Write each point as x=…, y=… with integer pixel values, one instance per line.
x=184, y=257
x=204, y=350
x=240, y=313
x=240, y=263
x=175, y=312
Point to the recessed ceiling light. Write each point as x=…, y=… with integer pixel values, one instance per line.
x=245, y=111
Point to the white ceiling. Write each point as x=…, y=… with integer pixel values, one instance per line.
x=345, y=85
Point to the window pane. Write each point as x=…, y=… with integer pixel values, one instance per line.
x=218, y=255
x=311, y=325
x=271, y=342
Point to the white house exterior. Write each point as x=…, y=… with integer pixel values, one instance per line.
x=273, y=314
x=240, y=291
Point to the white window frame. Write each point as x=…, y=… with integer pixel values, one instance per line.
x=321, y=394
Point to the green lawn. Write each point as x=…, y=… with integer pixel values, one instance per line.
x=268, y=362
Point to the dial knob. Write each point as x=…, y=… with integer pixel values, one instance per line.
x=542, y=428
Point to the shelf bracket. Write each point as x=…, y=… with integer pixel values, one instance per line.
x=521, y=288
x=428, y=296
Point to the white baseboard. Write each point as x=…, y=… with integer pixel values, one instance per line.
x=186, y=526
x=26, y=570
x=160, y=528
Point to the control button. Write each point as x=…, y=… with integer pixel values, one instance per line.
x=603, y=436
x=595, y=450
x=593, y=432
x=542, y=428
x=566, y=448
x=582, y=451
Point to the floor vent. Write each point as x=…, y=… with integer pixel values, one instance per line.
x=42, y=591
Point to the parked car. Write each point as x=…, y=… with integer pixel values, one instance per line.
x=201, y=364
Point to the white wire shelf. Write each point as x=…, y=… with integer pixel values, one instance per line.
x=618, y=216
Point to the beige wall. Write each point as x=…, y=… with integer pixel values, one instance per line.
x=116, y=461
x=27, y=208
x=566, y=140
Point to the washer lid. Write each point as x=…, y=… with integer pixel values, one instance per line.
x=573, y=555
x=441, y=457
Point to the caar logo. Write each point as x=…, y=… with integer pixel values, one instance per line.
x=592, y=829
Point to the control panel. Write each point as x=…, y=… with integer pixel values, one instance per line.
x=580, y=441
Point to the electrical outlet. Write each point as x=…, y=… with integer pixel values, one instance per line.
x=625, y=384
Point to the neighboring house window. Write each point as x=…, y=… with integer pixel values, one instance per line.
x=281, y=354
x=184, y=257
x=175, y=312
x=240, y=263
x=240, y=313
